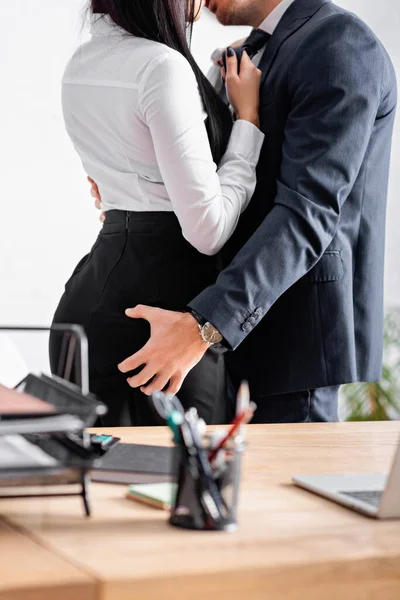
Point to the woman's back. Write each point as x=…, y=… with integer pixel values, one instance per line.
x=105, y=91
x=135, y=115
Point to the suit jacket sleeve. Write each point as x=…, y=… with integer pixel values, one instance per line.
x=335, y=83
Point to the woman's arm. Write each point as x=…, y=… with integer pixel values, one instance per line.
x=208, y=202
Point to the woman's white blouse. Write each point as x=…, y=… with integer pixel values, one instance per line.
x=135, y=116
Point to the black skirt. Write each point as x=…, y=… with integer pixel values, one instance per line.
x=138, y=258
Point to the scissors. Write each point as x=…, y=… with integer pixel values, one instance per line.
x=166, y=404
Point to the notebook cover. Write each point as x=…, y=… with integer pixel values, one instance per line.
x=157, y=495
x=123, y=462
x=127, y=478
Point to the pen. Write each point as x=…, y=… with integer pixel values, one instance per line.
x=174, y=420
x=243, y=402
x=165, y=404
x=237, y=423
x=209, y=493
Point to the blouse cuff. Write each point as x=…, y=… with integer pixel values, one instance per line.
x=246, y=140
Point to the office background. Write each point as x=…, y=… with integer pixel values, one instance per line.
x=48, y=221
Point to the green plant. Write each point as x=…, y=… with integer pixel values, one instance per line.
x=378, y=401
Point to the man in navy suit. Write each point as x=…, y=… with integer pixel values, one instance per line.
x=301, y=300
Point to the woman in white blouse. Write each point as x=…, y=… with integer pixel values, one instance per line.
x=150, y=131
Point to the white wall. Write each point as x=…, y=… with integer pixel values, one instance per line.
x=47, y=219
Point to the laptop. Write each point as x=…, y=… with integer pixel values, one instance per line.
x=374, y=495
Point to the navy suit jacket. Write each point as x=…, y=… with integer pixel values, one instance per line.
x=301, y=301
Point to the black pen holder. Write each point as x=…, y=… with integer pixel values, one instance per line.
x=189, y=510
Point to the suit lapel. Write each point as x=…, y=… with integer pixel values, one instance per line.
x=297, y=15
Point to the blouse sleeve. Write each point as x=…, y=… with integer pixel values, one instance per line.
x=207, y=201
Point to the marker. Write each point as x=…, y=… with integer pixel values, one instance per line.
x=242, y=403
x=174, y=421
x=237, y=423
x=102, y=440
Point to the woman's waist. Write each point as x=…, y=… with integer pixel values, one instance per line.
x=133, y=221
x=130, y=191
x=153, y=235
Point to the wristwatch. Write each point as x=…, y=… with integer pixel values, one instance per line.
x=208, y=332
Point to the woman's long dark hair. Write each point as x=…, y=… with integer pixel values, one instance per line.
x=167, y=22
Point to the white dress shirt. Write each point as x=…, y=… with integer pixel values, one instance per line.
x=272, y=21
x=134, y=113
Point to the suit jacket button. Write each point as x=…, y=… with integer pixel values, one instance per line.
x=258, y=313
x=246, y=326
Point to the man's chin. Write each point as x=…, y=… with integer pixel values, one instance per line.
x=223, y=16
x=220, y=16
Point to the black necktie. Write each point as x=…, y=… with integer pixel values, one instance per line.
x=256, y=40
x=253, y=44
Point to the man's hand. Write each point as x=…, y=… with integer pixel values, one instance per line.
x=174, y=348
x=96, y=195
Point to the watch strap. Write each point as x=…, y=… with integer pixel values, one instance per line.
x=200, y=320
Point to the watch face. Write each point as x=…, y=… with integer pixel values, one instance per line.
x=210, y=334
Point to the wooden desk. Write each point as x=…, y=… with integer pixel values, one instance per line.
x=291, y=544
x=28, y=571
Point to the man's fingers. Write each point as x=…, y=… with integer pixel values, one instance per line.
x=141, y=378
x=95, y=188
x=102, y=217
x=133, y=362
x=97, y=197
x=97, y=203
x=175, y=384
x=141, y=312
x=157, y=385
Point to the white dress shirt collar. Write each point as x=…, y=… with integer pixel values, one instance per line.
x=103, y=25
x=272, y=21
